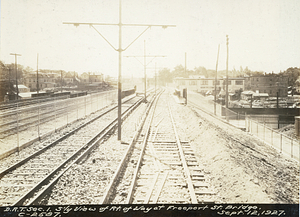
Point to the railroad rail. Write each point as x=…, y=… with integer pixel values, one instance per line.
x=159, y=167
x=22, y=117
x=26, y=181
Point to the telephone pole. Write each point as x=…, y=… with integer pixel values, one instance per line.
x=216, y=80
x=226, y=99
x=37, y=73
x=145, y=66
x=16, y=69
x=120, y=50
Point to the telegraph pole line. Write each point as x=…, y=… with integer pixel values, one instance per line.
x=145, y=75
x=37, y=74
x=145, y=66
x=216, y=80
x=16, y=69
x=120, y=50
x=226, y=99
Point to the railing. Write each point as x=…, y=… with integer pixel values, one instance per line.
x=34, y=122
x=283, y=143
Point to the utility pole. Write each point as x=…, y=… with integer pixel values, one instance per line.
x=16, y=69
x=120, y=50
x=37, y=74
x=145, y=67
x=226, y=99
x=9, y=69
x=216, y=80
x=145, y=75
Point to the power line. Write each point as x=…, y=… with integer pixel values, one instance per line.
x=145, y=66
x=16, y=69
x=120, y=24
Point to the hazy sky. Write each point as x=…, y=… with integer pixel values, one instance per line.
x=263, y=34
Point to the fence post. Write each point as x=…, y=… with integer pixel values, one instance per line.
x=264, y=131
x=246, y=122
x=280, y=142
x=292, y=148
x=67, y=105
x=55, y=113
x=299, y=150
x=18, y=145
x=91, y=104
x=39, y=104
x=226, y=113
x=85, y=106
x=77, y=99
x=272, y=137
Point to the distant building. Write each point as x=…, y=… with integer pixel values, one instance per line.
x=45, y=80
x=96, y=78
x=248, y=95
x=297, y=85
x=91, y=78
x=85, y=77
x=22, y=88
x=205, y=85
x=69, y=78
x=269, y=83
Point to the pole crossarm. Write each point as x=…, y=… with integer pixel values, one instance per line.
x=137, y=37
x=104, y=38
x=120, y=50
x=118, y=24
x=15, y=54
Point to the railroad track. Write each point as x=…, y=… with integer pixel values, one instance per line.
x=27, y=180
x=23, y=118
x=159, y=167
x=28, y=102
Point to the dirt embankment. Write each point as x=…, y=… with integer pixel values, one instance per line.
x=241, y=168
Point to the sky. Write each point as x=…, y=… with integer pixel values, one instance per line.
x=263, y=35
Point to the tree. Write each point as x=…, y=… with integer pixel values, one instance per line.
x=165, y=76
x=293, y=74
x=201, y=71
x=179, y=72
x=247, y=71
x=6, y=83
x=257, y=73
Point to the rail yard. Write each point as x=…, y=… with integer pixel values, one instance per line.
x=170, y=153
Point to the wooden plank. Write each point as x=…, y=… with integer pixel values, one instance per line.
x=202, y=192
x=194, y=178
x=201, y=184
